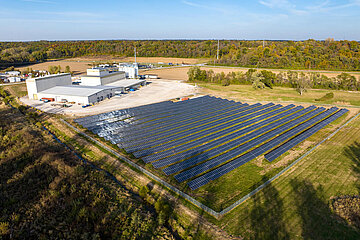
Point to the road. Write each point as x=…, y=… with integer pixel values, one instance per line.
x=8, y=84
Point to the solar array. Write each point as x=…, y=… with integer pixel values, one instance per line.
x=201, y=139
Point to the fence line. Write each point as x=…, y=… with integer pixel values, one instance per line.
x=194, y=201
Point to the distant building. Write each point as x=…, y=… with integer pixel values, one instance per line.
x=14, y=79
x=101, y=76
x=13, y=73
x=131, y=70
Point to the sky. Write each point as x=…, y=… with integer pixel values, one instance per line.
x=24, y=20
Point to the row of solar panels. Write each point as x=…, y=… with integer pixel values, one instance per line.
x=202, y=139
x=157, y=122
x=141, y=112
x=220, y=171
x=143, y=124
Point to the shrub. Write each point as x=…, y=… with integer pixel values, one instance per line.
x=144, y=190
x=4, y=228
x=326, y=97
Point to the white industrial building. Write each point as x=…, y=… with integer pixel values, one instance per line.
x=101, y=76
x=13, y=73
x=131, y=70
x=37, y=85
x=14, y=79
x=84, y=95
x=102, y=85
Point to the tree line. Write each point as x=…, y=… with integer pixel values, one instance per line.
x=309, y=54
x=260, y=79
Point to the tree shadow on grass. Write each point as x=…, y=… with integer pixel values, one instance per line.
x=318, y=221
x=266, y=216
x=353, y=153
x=197, y=220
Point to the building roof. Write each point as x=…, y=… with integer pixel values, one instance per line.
x=105, y=76
x=80, y=91
x=126, y=83
x=46, y=77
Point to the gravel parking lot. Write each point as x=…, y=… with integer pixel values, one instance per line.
x=156, y=91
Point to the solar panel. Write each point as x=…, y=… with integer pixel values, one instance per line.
x=211, y=129
x=204, y=138
x=277, y=152
x=234, y=128
x=220, y=171
x=251, y=144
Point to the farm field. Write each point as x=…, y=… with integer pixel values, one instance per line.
x=141, y=59
x=181, y=73
x=79, y=65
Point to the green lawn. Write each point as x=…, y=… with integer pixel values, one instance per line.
x=296, y=205
x=17, y=90
x=280, y=94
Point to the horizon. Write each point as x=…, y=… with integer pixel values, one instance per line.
x=275, y=20
x=176, y=39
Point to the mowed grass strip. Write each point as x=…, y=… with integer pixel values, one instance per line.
x=281, y=94
x=296, y=205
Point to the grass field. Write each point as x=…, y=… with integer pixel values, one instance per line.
x=281, y=94
x=79, y=65
x=296, y=205
x=18, y=90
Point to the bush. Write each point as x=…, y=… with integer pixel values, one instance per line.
x=4, y=228
x=144, y=190
x=225, y=82
x=348, y=208
x=326, y=97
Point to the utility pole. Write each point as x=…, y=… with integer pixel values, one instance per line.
x=135, y=54
x=263, y=43
x=218, y=49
